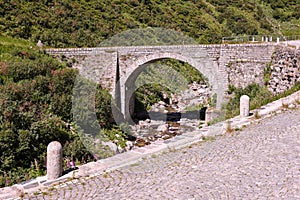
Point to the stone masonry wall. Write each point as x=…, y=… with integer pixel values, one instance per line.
x=100, y=66
x=241, y=74
x=245, y=64
x=235, y=64
x=239, y=64
x=285, y=69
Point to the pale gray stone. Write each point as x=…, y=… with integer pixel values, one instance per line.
x=54, y=160
x=244, y=106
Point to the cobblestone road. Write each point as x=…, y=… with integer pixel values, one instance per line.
x=260, y=162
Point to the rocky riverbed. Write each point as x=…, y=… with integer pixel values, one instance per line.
x=173, y=115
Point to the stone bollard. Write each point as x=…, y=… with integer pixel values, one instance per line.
x=244, y=106
x=54, y=160
x=277, y=40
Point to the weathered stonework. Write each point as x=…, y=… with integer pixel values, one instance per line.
x=110, y=65
x=285, y=69
x=243, y=73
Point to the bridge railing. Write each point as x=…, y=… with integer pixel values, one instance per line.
x=258, y=39
x=293, y=37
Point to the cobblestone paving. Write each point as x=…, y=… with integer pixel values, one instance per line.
x=260, y=162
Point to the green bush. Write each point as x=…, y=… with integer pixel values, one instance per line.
x=259, y=96
x=88, y=23
x=164, y=76
x=35, y=109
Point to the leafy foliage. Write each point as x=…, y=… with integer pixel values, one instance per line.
x=88, y=23
x=35, y=108
x=259, y=96
x=165, y=76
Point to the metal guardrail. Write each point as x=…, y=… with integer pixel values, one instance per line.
x=292, y=37
x=258, y=39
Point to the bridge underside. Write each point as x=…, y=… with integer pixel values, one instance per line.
x=207, y=67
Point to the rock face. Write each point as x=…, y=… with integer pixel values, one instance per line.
x=285, y=69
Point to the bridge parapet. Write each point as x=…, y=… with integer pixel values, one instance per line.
x=86, y=51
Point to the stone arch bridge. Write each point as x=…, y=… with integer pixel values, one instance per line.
x=112, y=65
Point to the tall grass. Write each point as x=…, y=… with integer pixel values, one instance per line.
x=259, y=96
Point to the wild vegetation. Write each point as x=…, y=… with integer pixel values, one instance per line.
x=35, y=109
x=66, y=23
x=259, y=95
x=164, y=77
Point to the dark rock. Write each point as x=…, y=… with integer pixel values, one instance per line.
x=140, y=142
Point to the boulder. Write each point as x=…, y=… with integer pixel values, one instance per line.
x=140, y=142
x=111, y=145
x=163, y=128
x=129, y=145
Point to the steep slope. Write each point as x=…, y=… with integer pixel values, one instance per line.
x=87, y=23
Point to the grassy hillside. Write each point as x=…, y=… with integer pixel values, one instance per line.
x=87, y=23
x=35, y=108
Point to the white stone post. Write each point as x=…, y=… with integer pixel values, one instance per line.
x=262, y=38
x=271, y=39
x=253, y=39
x=244, y=106
x=54, y=160
x=267, y=39
x=277, y=40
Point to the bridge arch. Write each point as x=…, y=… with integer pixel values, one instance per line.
x=138, y=65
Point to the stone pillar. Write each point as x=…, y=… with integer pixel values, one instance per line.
x=266, y=39
x=244, y=106
x=253, y=40
x=271, y=39
x=54, y=160
x=277, y=40
x=131, y=104
x=210, y=114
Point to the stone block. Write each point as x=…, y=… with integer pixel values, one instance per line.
x=54, y=160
